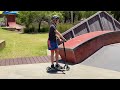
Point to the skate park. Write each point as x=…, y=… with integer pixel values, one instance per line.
x=92, y=48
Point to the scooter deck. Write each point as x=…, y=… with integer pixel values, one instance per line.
x=55, y=70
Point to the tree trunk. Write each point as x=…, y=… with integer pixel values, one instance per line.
x=39, y=26
x=48, y=22
x=65, y=19
x=73, y=18
x=27, y=26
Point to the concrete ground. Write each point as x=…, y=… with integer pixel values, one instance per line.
x=104, y=64
x=38, y=71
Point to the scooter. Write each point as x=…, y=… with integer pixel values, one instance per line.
x=65, y=68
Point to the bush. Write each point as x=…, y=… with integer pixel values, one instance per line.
x=62, y=27
x=25, y=30
x=34, y=28
x=29, y=30
x=44, y=29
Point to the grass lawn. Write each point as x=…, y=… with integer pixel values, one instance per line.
x=23, y=45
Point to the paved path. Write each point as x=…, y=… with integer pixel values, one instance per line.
x=104, y=64
x=38, y=71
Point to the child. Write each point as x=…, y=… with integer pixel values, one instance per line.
x=52, y=41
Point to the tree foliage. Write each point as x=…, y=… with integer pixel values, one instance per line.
x=29, y=17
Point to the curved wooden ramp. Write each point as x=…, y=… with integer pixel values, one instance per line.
x=81, y=47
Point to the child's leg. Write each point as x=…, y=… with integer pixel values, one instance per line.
x=52, y=57
x=56, y=55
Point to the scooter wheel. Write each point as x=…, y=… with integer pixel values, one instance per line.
x=67, y=68
x=48, y=68
x=64, y=67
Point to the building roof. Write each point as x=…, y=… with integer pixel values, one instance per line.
x=10, y=12
x=1, y=12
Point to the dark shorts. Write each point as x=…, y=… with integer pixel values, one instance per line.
x=52, y=45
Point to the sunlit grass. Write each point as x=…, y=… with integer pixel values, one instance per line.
x=23, y=45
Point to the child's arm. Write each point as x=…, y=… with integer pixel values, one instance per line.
x=59, y=35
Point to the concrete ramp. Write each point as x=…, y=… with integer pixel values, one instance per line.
x=108, y=57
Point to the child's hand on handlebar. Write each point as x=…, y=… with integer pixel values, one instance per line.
x=64, y=40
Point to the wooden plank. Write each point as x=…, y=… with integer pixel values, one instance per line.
x=15, y=61
x=19, y=60
x=88, y=27
x=24, y=60
x=112, y=18
x=94, y=24
x=110, y=23
x=36, y=59
x=7, y=62
x=40, y=59
x=2, y=63
x=104, y=23
x=73, y=33
x=46, y=59
x=117, y=26
x=49, y=58
x=101, y=24
x=32, y=60
x=114, y=26
x=28, y=60
x=82, y=29
x=11, y=61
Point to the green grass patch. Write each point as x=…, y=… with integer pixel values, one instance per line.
x=23, y=45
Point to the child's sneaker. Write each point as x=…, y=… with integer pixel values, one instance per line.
x=52, y=67
x=58, y=66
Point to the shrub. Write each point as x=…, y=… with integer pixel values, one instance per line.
x=62, y=27
x=29, y=30
x=44, y=29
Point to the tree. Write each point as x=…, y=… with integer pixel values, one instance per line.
x=66, y=15
x=26, y=17
x=86, y=14
x=116, y=15
x=39, y=16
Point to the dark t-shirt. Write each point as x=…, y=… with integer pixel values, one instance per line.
x=52, y=35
